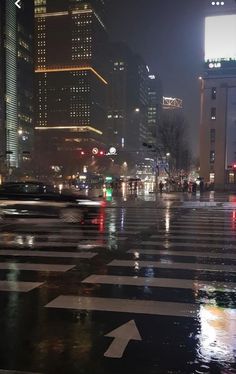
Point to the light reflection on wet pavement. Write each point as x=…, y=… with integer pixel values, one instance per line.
x=55, y=321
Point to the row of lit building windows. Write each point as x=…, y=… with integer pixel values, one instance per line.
x=87, y=38
x=40, y=2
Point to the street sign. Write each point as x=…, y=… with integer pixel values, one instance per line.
x=122, y=335
x=95, y=151
x=112, y=151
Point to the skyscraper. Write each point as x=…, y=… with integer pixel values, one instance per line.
x=71, y=73
x=128, y=98
x=155, y=99
x=16, y=109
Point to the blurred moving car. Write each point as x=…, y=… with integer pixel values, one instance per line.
x=38, y=200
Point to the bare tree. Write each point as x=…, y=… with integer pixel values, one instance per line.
x=172, y=138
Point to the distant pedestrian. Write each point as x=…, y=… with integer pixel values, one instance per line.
x=161, y=185
x=201, y=186
x=185, y=186
x=194, y=187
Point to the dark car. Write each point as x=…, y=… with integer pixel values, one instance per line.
x=36, y=199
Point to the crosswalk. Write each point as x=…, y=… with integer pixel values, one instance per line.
x=174, y=263
x=46, y=247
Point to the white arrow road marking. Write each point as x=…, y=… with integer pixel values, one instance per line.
x=18, y=4
x=122, y=335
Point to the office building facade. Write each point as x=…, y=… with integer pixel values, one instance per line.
x=70, y=73
x=128, y=99
x=16, y=92
x=218, y=104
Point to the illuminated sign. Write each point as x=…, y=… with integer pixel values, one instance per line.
x=95, y=151
x=220, y=41
x=112, y=151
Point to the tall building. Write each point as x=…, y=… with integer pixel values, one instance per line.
x=16, y=82
x=71, y=74
x=155, y=98
x=128, y=98
x=218, y=102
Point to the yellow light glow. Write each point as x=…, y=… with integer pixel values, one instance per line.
x=59, y=14
x=70, y=68
x=79, y=128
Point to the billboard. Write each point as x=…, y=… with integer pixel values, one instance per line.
x=220, y=40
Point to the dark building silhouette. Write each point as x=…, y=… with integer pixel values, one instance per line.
x=128, y=98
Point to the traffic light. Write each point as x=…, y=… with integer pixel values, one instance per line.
x=234, y=166
x=82, y=153
x=101, y=153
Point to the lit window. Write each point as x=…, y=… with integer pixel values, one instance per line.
x=213, y=93
x=212, y=156
x=213, y=113
x=231, y=178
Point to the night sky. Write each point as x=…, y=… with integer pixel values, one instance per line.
x=169, y=34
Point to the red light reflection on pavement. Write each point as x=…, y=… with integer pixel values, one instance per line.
x=234, y=220
x=101, y=221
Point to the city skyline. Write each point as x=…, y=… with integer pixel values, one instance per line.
x=150, y=30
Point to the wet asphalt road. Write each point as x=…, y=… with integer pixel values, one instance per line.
x=167, y=272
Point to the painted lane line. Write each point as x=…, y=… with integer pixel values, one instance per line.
x=197, y=232
x=164, y=244
x=56, y=244
x=124, y=306
x=205, y=220
x=160, y=282
x=15, y=372
x=72, y=236
x=157, y=252
x=204, y=228
x=14, y=244
x=12, y=286
x=173, y=265
x=35, y=267
x=189, y=237
x=129, y=225
x=86, y=255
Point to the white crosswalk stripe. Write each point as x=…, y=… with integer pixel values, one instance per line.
x=185, y=243
x=16, y=286
x=15, y=372
x=186, y=253
x=160, y=282
x=171, y=231
x=35, y=267
x=189, y=237
x=173, y=265
x=23, y=253
x=204, y=227
x=124, y=306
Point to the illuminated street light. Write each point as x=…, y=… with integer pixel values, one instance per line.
x=168, y=154
x=137, y=110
